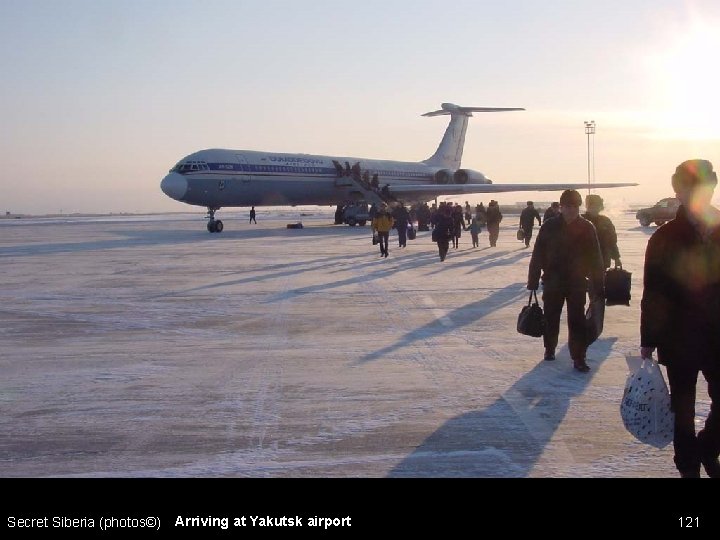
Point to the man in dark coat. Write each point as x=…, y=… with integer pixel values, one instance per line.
x=493, y=217
x=456, y=214
x=568, y=254
x=604, y=228
x=552, y=211
x=443, y=229
x=480, y=216
x=680, y=313
x=402, y=218
x=527, y=221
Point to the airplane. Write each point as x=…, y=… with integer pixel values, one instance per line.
x=217, y=178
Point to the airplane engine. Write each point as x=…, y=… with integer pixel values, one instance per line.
x=460, y=176
x=443, y=176
x=464, y=176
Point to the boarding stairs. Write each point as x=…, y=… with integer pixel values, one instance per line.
x=358, y=189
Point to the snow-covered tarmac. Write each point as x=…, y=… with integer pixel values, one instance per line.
x=147, y=347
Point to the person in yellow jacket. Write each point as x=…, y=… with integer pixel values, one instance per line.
x=381, y=225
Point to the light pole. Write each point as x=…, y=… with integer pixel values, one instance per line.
x=590, y=130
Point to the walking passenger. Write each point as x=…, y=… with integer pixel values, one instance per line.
x=680, y=313
x=381, y=224
x=402, y=218
x=552, y=211
x=468, y=213
x=604, y=228
x=458, y=224
x=493, y=217
x=527, y=221
x=481, y=215
x=567, y=253
x=442, y=229
x=475, y=232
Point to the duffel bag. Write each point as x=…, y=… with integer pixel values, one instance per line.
x=617, y=286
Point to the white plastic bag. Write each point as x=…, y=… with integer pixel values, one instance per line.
x=645, y=407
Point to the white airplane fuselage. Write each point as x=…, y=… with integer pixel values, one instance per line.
x=224, y=178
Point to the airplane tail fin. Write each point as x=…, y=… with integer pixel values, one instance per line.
x=449, y=153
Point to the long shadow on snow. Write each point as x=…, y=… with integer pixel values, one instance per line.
x=461, y=316
x=507, y=438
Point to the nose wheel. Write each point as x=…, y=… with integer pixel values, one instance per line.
x=214, y=225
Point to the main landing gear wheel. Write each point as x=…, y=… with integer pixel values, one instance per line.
x=214, y=225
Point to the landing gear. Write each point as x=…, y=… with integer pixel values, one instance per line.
x=214, y=225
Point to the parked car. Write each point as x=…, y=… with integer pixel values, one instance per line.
x=664, y=210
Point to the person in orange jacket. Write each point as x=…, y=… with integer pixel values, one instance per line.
x=381, y=224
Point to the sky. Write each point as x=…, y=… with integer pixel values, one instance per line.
x=100, y=98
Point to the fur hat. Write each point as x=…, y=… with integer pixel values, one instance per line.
x=570, y=197
x=594, y=202
x=693, y=173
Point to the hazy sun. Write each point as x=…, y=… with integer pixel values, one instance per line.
x=687, y=76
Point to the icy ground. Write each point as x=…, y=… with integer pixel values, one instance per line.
x=147, y=347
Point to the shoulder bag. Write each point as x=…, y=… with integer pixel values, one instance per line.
x=531, y=320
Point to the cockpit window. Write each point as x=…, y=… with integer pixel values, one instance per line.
x=189, y=166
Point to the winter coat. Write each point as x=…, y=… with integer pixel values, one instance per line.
x=457, y=220
x=606, y=236
x=444, y=228
x=528, y=217
x=401, y=216
x=568, y=254
x=382, y=222
x=550, y=213
x=680, y=306
x=493, y=216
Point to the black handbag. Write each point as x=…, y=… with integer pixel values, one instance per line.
x=520, y=235
x=617, y=286
x=411, y=233
x=375, y=239
x=594, y=319
x=439, y=234
x=531, y=321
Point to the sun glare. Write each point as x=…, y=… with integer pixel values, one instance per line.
x=688, y=83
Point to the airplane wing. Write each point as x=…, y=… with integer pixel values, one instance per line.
x=427, y=192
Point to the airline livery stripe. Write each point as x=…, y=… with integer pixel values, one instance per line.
x=284, y=169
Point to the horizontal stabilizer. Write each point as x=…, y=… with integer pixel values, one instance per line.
x=451, y=108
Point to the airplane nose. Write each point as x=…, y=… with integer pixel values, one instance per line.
x=174, y=186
